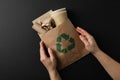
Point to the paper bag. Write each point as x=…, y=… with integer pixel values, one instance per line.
x=63, y=38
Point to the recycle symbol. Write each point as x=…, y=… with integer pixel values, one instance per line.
x=59, y=41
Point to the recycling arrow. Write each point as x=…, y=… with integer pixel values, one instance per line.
x=59, y=45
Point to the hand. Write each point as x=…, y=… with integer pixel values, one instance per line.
x=88, y=40
x=49, y=62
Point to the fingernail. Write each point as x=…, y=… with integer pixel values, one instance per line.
x=49, y=48
x=79, y=28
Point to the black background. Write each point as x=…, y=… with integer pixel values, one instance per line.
x=19, y=44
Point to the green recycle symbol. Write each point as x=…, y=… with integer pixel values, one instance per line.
x=59, y=45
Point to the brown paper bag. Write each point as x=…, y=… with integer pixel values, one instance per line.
x=63, y=39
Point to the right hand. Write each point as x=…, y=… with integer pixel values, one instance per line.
x=88, y=40
x=49, y=62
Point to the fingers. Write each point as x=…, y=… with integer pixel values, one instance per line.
x=52, y=56
x=42, y=51
x=84, y=40
x=83, y=32
x=85, y=36
x=78, y=30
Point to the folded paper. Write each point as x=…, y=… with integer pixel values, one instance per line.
x=58, y=33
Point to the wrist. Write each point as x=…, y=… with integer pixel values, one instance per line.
x=96, y=51
x=52, y=71
x=54, y=75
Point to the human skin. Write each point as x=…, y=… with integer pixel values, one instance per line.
x=49, y=62
x=111, y=66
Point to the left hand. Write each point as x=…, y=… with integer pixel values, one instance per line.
x=88, y=40
x=49, y=62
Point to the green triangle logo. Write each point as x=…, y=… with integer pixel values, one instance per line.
x=59, y=45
